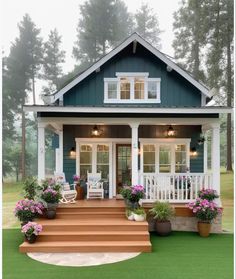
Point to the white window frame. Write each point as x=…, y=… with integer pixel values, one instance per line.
x=172, y=143
x=131, y=77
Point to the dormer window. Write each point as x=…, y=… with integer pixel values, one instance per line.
x=132, y=88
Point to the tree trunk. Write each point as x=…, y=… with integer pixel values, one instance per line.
x=23, y=146
x=229, y=99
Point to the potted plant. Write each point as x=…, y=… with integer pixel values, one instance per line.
x=205, y=211
x=208, y=194
x=31, y=230
x=129, y=214
x=27, y=210
x=51, y=197
x=162, y=212
x=78, y=187
x=132, y=195
x=139, y=215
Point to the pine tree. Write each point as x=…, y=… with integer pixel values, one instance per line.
x=102, y=25
x=190, y=36
x=147, y=25
x=53, y=58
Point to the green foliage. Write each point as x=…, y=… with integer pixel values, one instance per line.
x=162, y=211
x=30, y=188
x=147, y=25
x=140, y=211
x=52, y=60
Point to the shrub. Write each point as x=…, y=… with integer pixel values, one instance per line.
x=162, y=211
x=140, y=211
x=204, y=210
x=133, y=193
x=30, y=188
x=27, y=210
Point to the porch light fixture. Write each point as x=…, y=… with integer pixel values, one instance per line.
x=194, y=151
x=72, y=152
x=170, y=131
x=96, y=132
x=201, y=140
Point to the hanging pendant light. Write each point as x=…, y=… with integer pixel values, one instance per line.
x=72, y=152
x=95, y=131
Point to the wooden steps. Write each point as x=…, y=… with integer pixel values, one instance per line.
x=91, y=226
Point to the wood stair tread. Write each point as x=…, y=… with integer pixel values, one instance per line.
x=94, y=233
x=64, y=222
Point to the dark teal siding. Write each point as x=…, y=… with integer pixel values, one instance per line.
x=71, y=132
x=175, y=90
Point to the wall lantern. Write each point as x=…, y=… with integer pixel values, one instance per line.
x=72, y=152
x=201, y=140
x=193, y=151
x=170, y=131
x=95, y=131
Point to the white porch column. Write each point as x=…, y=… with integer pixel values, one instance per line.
x=215, y=156
x=205, y=151
x=41, y=151
x=135, y=174
x=61, y=151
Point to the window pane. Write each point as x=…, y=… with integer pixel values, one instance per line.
x=139, y=88
x=86, y=154
x=165, y=158
x=104, y=169
x=152, y=90
x=112, y=90
x=84, y=169
x=180, y=158
x=164, y=168
x=149, y=158
x=103, y=160
x=180, y=168
x=124, y=88
x=149, y=168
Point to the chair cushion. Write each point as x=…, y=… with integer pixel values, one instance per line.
x=66, y=187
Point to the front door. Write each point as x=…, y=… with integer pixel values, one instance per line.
x=123, y=166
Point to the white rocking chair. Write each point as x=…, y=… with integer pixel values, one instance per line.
x=68, y=195
x=94, y=186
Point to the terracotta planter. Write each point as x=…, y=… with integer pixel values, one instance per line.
x=163, y=228
x=80, y=192
x=31, y=239
x=204, y=229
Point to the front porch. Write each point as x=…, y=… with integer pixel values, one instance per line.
x=138, y=151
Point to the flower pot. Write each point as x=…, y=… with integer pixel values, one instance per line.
x=204, y=229
x=163, y=228
x=31, y=239
x=51, y=213
x=80, y=192
x=139, y=218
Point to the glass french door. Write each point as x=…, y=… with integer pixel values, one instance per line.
x=123, y=166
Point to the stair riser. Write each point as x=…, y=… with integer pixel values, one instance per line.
x=90, y=209
x=54, y=249
x=45, y=238
x=96, y=227
x=89, y=216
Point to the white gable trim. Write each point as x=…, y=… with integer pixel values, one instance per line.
x=133, y=37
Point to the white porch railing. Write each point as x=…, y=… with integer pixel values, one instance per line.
x=177, y=188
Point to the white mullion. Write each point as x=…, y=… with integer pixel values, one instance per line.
x=141, y=158
x=110, y=171
x=94, y=158
x=118, y=89
x=77, y=158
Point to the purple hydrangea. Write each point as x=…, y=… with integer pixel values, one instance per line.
x=31, y=228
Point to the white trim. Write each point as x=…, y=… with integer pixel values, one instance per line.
x=41, y=151
x=131, y=78
x=165, y=140
x=130, y=39
x=180, y=110
x=61, y=151
x=132, y=74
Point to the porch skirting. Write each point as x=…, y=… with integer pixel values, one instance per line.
x=187, y=224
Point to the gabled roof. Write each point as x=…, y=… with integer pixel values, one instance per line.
x=132, y=38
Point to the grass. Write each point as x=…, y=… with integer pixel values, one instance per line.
x=181, y=255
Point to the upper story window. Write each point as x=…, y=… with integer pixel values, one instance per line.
x=132, y=88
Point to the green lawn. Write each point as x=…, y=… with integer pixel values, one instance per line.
x=181, y=255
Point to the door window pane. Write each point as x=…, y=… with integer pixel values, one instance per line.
x=165, y=158
x=124, y=88
x=139, y=88
x=149, y=158
x=85, y=160
x=180, y=158
x=103, y=160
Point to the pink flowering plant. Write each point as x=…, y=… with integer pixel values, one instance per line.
x=208, y=194
x=51, y=196
x=27, y=210
x=31, y=228
x=76, y=178
x=133, y=193
x=204, y=210
x=52, y=183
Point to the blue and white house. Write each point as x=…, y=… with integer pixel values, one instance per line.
x=138, y=118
